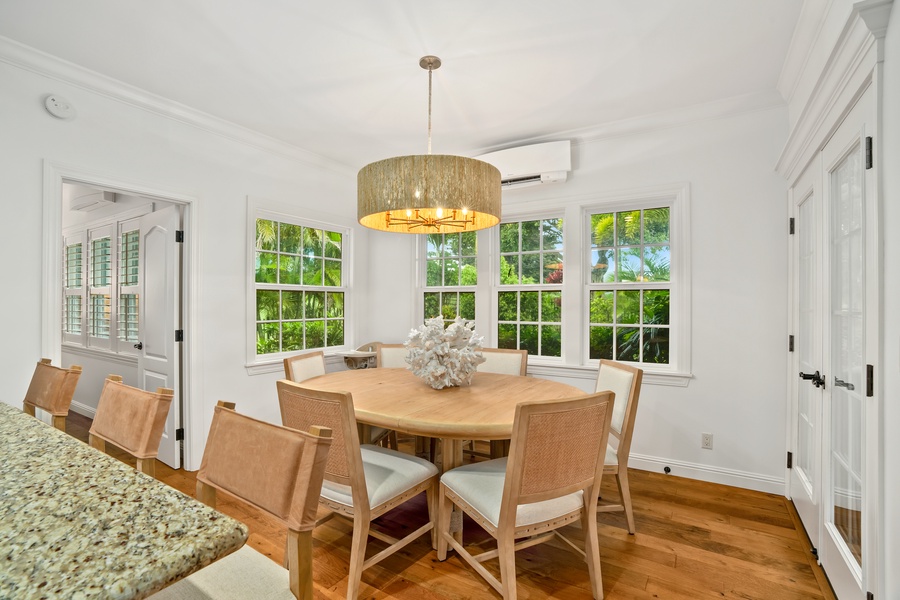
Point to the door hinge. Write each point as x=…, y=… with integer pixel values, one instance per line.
x=869, y=160
x=179, y=237
x=179, y=434
x=790, y=343
x=179, y=335
x=790, y=460
x=791, y=226
x=870, y=381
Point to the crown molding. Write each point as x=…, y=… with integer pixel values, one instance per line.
x=33, y=60
x=845, y=76
x=813, y=16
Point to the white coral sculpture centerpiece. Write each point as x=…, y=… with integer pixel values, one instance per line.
x=444, y=357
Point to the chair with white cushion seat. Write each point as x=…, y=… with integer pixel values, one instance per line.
x=505, y=361
x=551, y=478
x=625, y=381
x=362, y=482
x=391, y=356
x=51, y=389
x=305, y=366
x=277, y=470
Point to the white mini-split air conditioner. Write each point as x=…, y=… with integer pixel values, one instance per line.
x=93, y=201
x=549, y=162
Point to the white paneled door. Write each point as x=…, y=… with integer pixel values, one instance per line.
x=159, y=359
x=806, y=470
x=835, y=434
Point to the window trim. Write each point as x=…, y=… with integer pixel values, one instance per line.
x=270, y=363
x=677, y=198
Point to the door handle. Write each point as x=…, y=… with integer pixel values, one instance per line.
x=841, y=383
x=140, y=346
x=816, y=378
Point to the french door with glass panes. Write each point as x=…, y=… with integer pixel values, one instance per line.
x=834, y=423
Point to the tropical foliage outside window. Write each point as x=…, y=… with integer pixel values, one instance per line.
x=299, y=277
x=529, y=302
x=630, y=285
x=450, y=275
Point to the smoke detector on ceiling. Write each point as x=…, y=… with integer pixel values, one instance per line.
x=59, y=107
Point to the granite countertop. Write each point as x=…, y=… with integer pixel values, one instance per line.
x=76, y=523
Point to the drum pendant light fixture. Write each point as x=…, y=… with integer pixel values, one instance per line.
x=430, y=193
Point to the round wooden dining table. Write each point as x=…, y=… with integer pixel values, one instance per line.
x=484, y=410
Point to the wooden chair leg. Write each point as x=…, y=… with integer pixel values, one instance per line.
x=147, y=466
x=625, y=495
x=392, y=441
x=506, y=548
x=445, y=510
x=97, y=443
x=357, y=556
x=300, y=564
x=206, y=494
x=592, y=549
x=59, y=421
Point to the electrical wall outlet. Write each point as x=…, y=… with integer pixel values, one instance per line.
x=706, y=441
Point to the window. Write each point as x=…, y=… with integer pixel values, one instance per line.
x=450, y=275
x=100, y=276
x=630, y=285
x=300, y=287
x=129, y=269
x=101, y=283
x=72, y=288
x=529, y=300
x=617, y=285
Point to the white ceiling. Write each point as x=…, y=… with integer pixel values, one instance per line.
x=341, y=78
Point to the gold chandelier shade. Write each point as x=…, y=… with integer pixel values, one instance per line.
x=430, y=193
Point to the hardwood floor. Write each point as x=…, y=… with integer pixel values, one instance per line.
x=694, y=540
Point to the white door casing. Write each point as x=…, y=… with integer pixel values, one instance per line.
x=159, y=358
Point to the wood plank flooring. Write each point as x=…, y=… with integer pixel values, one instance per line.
x=695, y=540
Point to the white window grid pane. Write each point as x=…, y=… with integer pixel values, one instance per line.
x=72, y=315
x=544, y=325
x=317, y=254
x=73, y=266
x=616, y=264
x=101, y=269
x=128, y=330
x=99, y=316
x=129, y=258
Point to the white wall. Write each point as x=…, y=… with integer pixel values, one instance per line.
x=117, y=140
x=739, y=265
x=890, y=145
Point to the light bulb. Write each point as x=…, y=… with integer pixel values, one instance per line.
x=439, y=213
x=408, y=212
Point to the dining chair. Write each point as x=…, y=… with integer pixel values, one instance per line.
x=625, y=381
x=391, y=356
x=362, y=482
x=305, y=366
x=132, y=419
x=550, y=479
x=51, y=389
x=277, y=470
x=506, y=361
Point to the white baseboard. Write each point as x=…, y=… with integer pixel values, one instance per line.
x=83, y=409
x=741, y=479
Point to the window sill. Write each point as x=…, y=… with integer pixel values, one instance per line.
x=124, y=359
x=589, y=372
x=276, y=365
